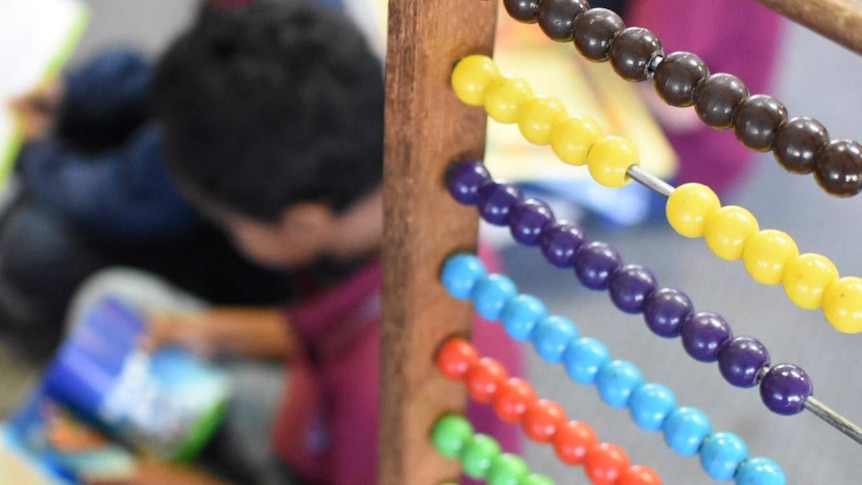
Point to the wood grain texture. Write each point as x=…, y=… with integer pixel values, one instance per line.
x=426, y=129
x=838, y=20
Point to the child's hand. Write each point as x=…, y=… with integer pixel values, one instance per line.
x=187, y=330
x=36, y=111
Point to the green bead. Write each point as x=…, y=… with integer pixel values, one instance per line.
x=536, y=479
x=478, y=454
x=450, y=434
x=507, y=469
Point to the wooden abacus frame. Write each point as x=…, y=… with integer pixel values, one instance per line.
x=426, y=129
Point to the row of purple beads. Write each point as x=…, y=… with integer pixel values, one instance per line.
x=743, y=361
x=801, y=144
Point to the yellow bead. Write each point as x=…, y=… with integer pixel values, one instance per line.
x=504, y=96
x=609, y=159
x=806, y=278
x=572, y=138
x=766, y=254
x=536, y=117
x=471, y=76
x=842, y=304
x=689, y=206
x=727, y=229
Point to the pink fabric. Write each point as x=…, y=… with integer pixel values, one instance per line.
x=738, y=37
x=327, y=429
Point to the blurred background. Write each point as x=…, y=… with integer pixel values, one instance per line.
x=815, y=78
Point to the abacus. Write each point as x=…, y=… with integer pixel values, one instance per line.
x=425, y=359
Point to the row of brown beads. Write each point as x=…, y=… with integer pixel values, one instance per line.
x=722, y=101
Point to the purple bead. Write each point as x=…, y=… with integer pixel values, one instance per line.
x=629, y=286
x=702, y=334
x=664, y=311
x=495, y=199
x=559, y=243
x=594, y=263
x=740, y=360
x=785, y=388
x=527, y=218
x=463, y=180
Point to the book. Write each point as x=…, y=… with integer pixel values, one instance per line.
x=102, y=402
x=36, y=39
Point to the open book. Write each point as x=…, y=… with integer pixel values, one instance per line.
x=36, y=39
x=102, y=401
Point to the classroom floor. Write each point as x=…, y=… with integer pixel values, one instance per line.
x=817, y=79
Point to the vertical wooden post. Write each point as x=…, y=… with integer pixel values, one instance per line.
x=426, y=129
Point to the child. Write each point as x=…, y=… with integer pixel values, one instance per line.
x=272, y=119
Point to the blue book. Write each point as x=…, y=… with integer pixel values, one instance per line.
x=102, y=400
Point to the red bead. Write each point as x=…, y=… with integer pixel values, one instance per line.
x=639, y=475
x=455, y=357
x=542, y=419
x=605, y=463
x=512, y=398
x=484, y=378
x=572, y=441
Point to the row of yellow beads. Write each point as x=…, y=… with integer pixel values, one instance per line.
x=576, y=140
x=771, y=257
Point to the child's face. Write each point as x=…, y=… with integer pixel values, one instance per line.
x=291, y=242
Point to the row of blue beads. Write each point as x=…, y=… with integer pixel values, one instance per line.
x=669, y=313
x=620, y=384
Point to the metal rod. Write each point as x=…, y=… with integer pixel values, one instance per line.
x=650, y=181
x=834, y=419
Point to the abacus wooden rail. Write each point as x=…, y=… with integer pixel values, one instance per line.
x=838, y=20
x=426, y=128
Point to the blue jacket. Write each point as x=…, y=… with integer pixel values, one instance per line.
x=124, y=192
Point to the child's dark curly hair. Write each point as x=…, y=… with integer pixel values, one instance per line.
x=270, y=105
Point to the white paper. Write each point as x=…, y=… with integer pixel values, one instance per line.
x=32, y=34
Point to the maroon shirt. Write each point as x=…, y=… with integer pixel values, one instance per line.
x=328, y=425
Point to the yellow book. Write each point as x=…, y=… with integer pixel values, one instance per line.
x=36, y=39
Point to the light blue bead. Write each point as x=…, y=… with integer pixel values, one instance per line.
x=583, y=359
x=760, y=471
x=650, y=404
x=520, y=315
x=684, y=430
x=552, y=336
x=721, y=453
x=460, y=274
x=616, y=381
x=491, y=294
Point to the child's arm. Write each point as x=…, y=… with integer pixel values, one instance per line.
x=255, y=332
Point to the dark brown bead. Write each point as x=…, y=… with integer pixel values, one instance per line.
x=716, y=97
x=797, y=143
x=557, y=17
x=757, y=119
x=676, y=77
x=632, y=50
x=838, y=168
x=594, y=31
x=525, y=11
